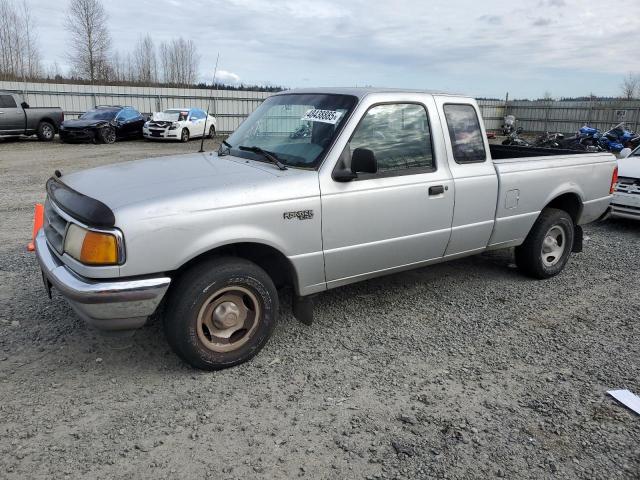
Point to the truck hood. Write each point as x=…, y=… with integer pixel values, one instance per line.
x=193, y=182
x=629, y=167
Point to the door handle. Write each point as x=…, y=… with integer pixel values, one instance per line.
x=436, y=190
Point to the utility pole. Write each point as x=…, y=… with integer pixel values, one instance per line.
x=213, y=84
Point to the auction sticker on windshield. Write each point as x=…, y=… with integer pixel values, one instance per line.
x=324, y=116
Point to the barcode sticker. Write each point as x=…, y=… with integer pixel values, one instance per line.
x=324, y=116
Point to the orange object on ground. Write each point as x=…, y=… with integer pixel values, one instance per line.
x=38, y=221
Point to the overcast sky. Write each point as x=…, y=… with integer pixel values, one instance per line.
x=477, y=47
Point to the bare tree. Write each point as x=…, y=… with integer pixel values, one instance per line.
x=90, y=38
x=19, y=55
x=144, y=60
x=32, y=65
x=179, y=61
x=630, y=86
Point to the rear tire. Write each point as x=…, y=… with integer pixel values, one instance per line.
x=548, y=246
x=221, y=313
x=46, y=131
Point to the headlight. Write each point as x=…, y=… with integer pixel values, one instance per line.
x=174, y=125
x=91, y=248
x=146, y=124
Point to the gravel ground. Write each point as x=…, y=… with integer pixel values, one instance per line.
x=460, y=370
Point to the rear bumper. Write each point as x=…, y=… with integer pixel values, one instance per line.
x=108, y=305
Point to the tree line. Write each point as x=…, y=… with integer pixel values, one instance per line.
x=91, y=55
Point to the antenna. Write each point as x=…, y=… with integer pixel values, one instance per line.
x=213, y=84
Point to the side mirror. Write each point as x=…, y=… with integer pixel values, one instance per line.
x=363, y=161
x=24, y=105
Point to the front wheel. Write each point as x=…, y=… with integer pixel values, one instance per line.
x=212, y=131
x=184, y=135
x=221, y=313
x=107, y=134
x=548, y=246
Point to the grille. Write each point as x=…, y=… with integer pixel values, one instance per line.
x=628, y=185
x=54, y=227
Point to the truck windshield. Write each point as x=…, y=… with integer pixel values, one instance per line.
x=99, y=114
x=298, y=128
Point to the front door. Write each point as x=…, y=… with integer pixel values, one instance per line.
x=12, y=120
x=395, y=218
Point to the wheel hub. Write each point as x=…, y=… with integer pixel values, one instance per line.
x=228, y=318
x=553, y=246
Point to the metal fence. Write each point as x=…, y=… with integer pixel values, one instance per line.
x=562, y=116
x=231, y=107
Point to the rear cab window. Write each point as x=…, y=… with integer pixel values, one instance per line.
x=465, y=133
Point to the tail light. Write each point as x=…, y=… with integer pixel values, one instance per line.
x=614, y=180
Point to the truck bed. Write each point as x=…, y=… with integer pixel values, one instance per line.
x=503, y=152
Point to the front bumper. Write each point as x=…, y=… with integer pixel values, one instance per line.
x=156, y=133
x=77, y=135
x=108, y=305
x=626, y=205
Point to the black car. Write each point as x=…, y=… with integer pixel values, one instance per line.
x=103, y=124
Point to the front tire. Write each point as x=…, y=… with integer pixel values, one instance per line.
x=212, y=132
x=107, y=135
x=46, y=132
x=221, y=313
x=547, y=248
x=184, y=135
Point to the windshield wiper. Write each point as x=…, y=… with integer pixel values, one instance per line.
x=272, y=157
x=226, y=151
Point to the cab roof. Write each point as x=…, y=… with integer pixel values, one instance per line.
x=362, y=92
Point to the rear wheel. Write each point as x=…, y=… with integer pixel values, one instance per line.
x=548, y=246
x=184, y=135
x=46, y=131
x=221, y=313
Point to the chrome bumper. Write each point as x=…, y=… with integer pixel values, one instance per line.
x=107, y=305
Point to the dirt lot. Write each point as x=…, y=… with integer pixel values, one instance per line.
x=460, y=370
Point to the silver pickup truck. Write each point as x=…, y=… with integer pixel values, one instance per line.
x=17, y=118
x=315, y=190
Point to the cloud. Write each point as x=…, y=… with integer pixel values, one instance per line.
x=463, y=45
x=542, y=22
x=491, y=19
x=223, y=76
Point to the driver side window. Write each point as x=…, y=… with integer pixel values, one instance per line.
x=399, y=136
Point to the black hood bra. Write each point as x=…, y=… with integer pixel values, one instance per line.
x=88, y=210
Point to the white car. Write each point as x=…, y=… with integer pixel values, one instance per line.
x=179, y=124
x=626, y=197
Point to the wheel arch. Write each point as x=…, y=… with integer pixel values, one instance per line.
x=570, y=202
x=50, y=120
x=270, y=259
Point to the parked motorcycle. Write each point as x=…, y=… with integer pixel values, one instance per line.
x=509, y=125
x=613, y=140
x=549, y=140
x=514, y=139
